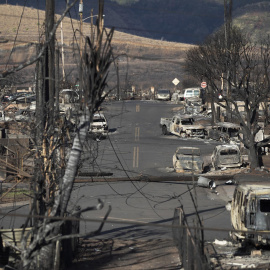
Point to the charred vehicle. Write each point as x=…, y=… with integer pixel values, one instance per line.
x=250, y=213
x=193, y=105
x=188, y=159
x=224, y=132
x=99, y=126
x=181, y=125
x=226, y=156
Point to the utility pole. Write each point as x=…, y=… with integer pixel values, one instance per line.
x=92, y=27
x=81, y=42
x=57, y=81
x=49, y=93
x=63, y=59
x=227, y=29
x=118, y=81
x=50, y=66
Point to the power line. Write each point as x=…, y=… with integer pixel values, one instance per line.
x=130, y=222
x=117, y=221
x=17, y=32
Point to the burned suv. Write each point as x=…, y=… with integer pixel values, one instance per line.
x=226, y=156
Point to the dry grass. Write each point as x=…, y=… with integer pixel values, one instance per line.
x=143, y=62
x=15, y=195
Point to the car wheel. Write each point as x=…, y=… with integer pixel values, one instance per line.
x=183, y=135
x=164, y=130
x=214, y=166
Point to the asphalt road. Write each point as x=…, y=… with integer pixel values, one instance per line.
x=136, y=147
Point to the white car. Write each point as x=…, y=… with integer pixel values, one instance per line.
x=192, y=92
x=99, y=126
x=164, y=94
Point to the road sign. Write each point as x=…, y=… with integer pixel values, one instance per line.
x=203, y=84
x=175, y=81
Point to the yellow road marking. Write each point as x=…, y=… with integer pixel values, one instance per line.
x=137, y=134
x=136, y=157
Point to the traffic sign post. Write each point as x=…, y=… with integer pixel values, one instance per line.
x=175, y=81
x=203, y=84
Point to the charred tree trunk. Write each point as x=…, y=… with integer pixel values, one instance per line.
x=96, y=62
x=254, y=157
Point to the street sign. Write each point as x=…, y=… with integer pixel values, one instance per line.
x=175, y=81
x=203, y=84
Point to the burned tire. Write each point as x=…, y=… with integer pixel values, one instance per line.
x=183, y=135
x=164, y=130
x=233, y=237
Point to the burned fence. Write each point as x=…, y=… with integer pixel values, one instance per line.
x=190, y=242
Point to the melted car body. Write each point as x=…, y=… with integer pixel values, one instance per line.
x=250, y=213
x=226, y=156
x=182, y=125
x=188, y=159
x=224, y=132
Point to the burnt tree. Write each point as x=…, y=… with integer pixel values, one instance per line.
x=248, y=66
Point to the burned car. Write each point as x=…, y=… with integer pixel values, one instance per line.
x=182, y=125
x=224, y=132
x=99, y=126
x=188, y=159
x=193, y=105
x=250, y=213
x=226, y=156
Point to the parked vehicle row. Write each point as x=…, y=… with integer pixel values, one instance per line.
x=224, y=156
x=189, y=159
x=20, y=97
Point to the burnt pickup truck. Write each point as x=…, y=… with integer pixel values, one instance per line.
x=181, y=125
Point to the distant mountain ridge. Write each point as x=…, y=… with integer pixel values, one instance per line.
x=188, y=21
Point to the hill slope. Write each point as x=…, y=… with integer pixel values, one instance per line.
x=188, y=21
x=142, y=62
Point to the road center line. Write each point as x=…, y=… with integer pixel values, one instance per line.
x=137, y=134
x=136, y=157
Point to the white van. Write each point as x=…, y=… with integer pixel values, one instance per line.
x=192, y=92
